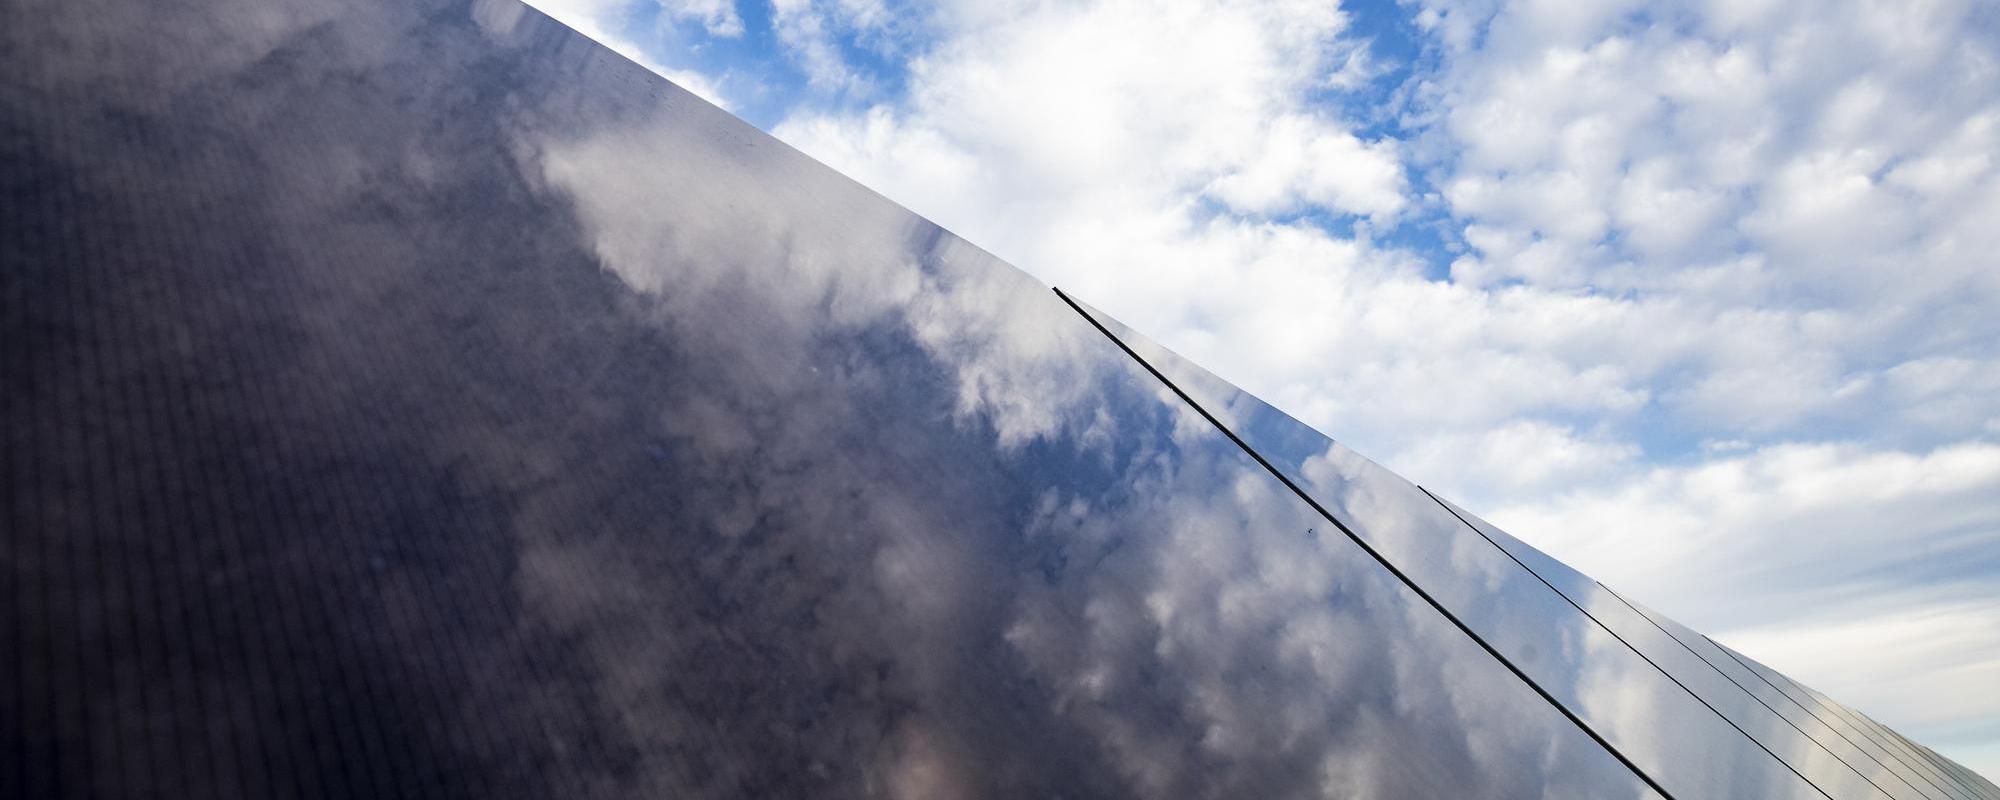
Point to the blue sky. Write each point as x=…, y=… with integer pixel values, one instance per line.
x=1701, y=297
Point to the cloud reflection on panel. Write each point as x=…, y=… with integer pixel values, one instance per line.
x=1234, y=649
x=181, y=43
x=686, y=222
x=893, y=459
x=1640, y=710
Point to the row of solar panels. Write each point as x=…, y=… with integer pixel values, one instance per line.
x=419, y=399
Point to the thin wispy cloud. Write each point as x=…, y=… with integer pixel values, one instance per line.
x=1700, y=297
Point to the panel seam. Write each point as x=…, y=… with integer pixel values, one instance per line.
x=1378, y=557
x=1655, y=665
x=1862, y=729
x=1661, y=669
x=1946, y=793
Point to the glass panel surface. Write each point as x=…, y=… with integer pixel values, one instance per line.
x=1973, y=779
x=1874, y=731
x=1678, y=739
x=1749, y=702
x=412, y=400
x=1952, y=768
x=1879, y=742
x=1913, y=771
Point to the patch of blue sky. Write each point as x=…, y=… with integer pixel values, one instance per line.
x=751, y=68
x=1399, y=55
x=760, y=75
x=1397, y=51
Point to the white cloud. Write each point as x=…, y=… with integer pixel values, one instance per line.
x=596, y=17
x=1114, y=113
x=803, y=27
x=1778, y=532
x=1652, y=139
x=718, y=16
x=1906, y=664
x=813, y=33
x=1307, y=161
x=1516, y=458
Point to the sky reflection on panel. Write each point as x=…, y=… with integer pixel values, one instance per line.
x=1638, y=708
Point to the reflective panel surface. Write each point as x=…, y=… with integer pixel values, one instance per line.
x=1883, y=736
x=1810, y=717
x=413, y=400
x=1680, y=739
x=1750, y=703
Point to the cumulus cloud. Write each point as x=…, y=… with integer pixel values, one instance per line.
x=594, y=18
x=1515, y=458
x=1111, y=114
x=718, y=16
x=813, y=33
x=1787, y=528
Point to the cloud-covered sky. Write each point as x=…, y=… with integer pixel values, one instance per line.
x=1701, y=297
